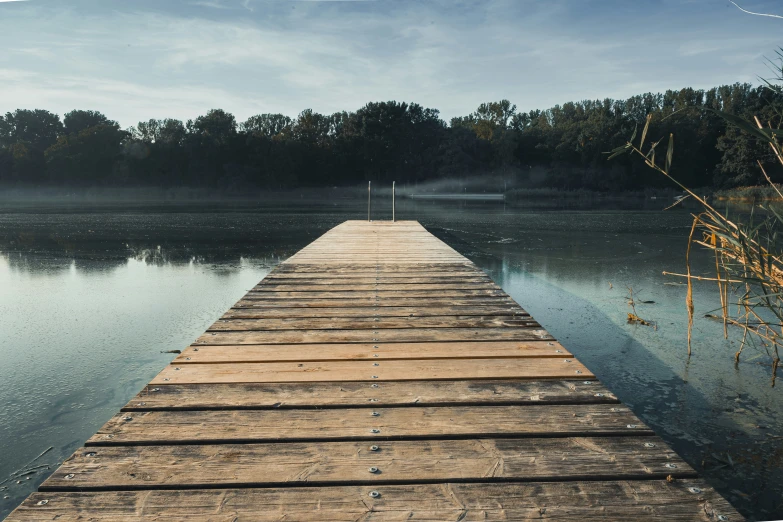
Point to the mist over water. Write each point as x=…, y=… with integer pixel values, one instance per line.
x=89, y=298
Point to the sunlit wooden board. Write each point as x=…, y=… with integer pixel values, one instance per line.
x=255, y=310
x=370, y=352
x=393, y=370
x=175, y=427
x=344, y=394
x=273, y=464
x=392, y=335
x=577, y=501
x=374, y=323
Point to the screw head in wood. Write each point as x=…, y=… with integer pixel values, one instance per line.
x=90, y=454
x=374, y=448
x=195, y=349
x=69, y=476
x=375, y=414
x=375, y=430
x=373, y=386
x=375, y=355
x=579, y=371
x=373, y=494
x=723, y=518
x=373, y=469
x=42, y=502
x=670, y=465
x=374, y=376
x=599, y=394
x=187, y=358
x=649, y=445
x=376, y=364
x=587, y=383
x=568, y=360
x=155, y=390
x=126, y=419
x=631, y=426
x=695, y=490
x=166, y=379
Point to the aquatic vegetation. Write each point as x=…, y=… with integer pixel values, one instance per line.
x=748, y=250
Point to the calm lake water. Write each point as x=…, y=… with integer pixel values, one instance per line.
x=89, y=300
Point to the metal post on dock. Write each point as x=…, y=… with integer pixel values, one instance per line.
x=369, y=200
x=393, y=217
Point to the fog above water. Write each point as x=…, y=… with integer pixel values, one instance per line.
x=91, y=296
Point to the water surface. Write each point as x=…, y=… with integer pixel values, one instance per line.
x=90, y=299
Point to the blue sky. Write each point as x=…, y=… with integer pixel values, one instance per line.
x=141, y=59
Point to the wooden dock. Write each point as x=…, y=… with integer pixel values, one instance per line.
x=375, y=375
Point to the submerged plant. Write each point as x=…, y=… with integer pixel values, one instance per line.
x=748, y=255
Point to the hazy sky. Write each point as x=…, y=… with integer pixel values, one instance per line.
x=139, y=59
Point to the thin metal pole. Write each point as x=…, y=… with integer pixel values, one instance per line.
x=393, y=216
x=369, y=201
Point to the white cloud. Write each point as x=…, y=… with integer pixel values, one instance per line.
x=248, y=57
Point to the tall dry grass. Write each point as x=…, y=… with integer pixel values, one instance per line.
x=748, y=253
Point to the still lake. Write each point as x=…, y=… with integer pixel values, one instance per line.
x=92, y=298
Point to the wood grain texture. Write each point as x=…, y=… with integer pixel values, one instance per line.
x=373, y=323
x=360, y=394
x=274, y=464
x=618, y=500
x=370, y=352
x=260, y=301
x=167, y=427
x=385, y=335
x=249, y=309
x=393, y=370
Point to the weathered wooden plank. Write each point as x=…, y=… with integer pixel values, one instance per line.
x=373, y=323
x=638, y=500
x=262, y=301
x=386, y=287
x=172, y=427
x=378, y=293
x=372, y=274
x=370, y=352
x=362, y=394
x=255, y=310
x=395, y=370
x=273, y=464
x=372, y=279
x=398, y=335
x=407, y=269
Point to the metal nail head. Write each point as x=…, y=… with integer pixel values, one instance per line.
x=695, y=490
x=375, y=414
x=69, y=476
x=374, y=494
x=670, y=466
x=374, y=448
x=373, y=469
x=42, y=502
x=631, y=426
x=649, y=445
x=375, y=430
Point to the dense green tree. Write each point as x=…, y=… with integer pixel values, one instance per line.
x=79, y=120
x=563, y=146
x=37, y=128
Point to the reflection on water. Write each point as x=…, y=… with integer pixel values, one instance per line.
x=89, y=300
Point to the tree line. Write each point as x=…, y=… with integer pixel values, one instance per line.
x=562, y=147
